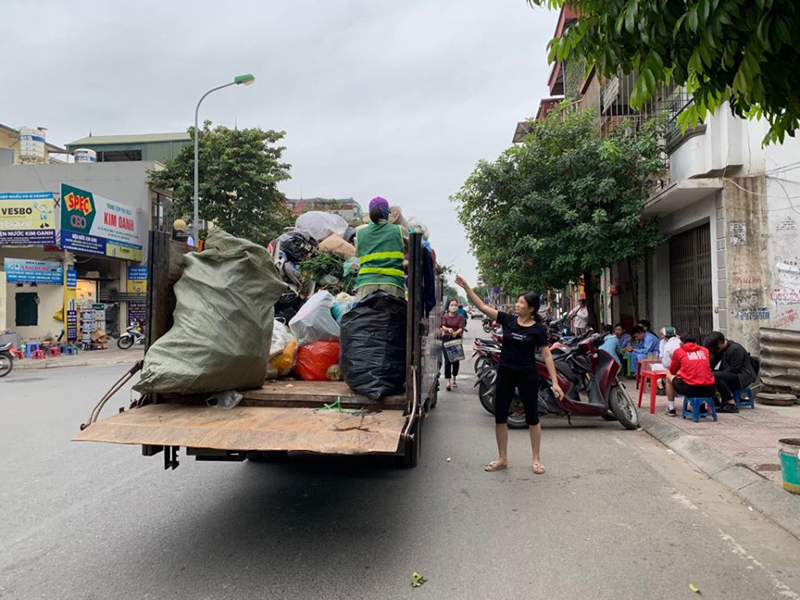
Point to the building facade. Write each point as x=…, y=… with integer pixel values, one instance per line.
x=100, y=214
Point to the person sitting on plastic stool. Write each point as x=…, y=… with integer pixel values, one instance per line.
x=689, y=373
x=735, y=372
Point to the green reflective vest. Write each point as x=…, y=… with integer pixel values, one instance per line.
x=380, y=254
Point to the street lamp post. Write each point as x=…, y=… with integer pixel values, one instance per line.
x=246, y=79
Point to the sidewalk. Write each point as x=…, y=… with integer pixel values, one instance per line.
x=97, y=358
x=739, y=450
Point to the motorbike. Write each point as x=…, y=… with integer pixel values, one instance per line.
x=6, y=360
x=586, y=375
x=133, y=335
x=489, y=326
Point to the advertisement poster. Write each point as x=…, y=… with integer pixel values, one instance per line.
x=19, y=270
x=72, y=325
x=93, y=224
x=137, y=280
x=137, y=311
x=27, y=219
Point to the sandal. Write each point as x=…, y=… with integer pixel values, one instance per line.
x=455, y=385
x=538, y=468
x=495, y=465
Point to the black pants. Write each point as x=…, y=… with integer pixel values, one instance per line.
x=450, y=367
x=727, y=383
x=527, y=382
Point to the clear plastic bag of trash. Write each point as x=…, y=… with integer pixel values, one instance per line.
x=314, y=322
x=224, y=400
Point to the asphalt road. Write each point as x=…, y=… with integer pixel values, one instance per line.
x=616, y=516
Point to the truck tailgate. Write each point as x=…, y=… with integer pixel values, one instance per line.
x=252, y=428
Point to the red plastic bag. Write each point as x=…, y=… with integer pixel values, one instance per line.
x=314, y=360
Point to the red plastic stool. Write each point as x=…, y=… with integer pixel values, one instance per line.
x=652, y=377
x=38, y=354
x=18, y=354
x=53, y=351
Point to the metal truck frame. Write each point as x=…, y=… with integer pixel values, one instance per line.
x=285, y=415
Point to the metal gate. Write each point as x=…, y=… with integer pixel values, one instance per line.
x=690, y=281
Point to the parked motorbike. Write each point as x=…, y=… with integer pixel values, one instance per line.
x=133, y=335
x=6, y=360
x=489, y=326
x=586, y=375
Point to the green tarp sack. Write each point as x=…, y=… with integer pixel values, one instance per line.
x=223, y=319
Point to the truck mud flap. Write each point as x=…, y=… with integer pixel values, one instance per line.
x=246, y=428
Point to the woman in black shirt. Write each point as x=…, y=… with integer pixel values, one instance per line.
x=523, y=335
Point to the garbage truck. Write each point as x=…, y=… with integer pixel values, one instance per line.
x=282, y=416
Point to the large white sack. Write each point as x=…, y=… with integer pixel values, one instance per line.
x=319, y=225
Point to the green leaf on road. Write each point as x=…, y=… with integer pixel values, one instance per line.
x=417, y=580
x=694, y=588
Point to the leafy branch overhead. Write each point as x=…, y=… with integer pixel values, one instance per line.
x=564, y=204
x=240, y=170
x=745, y=52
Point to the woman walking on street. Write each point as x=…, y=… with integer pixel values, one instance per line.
x=523, y=336
x=453, y=325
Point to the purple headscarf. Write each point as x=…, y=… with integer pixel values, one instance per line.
x=382, y=204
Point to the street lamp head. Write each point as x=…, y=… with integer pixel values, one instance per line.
x=246, y=79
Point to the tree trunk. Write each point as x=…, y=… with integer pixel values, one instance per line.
x=590, y=290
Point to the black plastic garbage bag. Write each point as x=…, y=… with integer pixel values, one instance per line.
x=373, y=346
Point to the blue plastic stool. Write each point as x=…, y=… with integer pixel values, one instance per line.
x=30, y=348
x=69, y=350
x=748, y=400
x=696, y=404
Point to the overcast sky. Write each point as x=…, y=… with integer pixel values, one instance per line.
x=377, y=97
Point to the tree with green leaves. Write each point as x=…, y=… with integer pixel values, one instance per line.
x=742, y=51
x=240, y=170
x=563, y=205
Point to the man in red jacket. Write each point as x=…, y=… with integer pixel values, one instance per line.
x=689, y=373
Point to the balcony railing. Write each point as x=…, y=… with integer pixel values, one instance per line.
x=615, y=109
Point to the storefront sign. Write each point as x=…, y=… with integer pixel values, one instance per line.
x=47, y=272
x=33, y=271
x=137, y=280
x=137, y=311
x=94, y=224
x=27, y=219
x=72, y=325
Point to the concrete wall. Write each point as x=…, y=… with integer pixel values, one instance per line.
x=721, y=146
x=745, y=238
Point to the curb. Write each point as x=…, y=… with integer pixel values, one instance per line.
x=762, y=494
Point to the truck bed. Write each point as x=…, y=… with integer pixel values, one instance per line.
x=250, y=428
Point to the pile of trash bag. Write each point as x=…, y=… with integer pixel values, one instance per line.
x=373, y=346
x=223, y=321
x=314, y=321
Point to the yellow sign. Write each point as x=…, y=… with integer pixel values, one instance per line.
x=136, y=286
x=27, y=219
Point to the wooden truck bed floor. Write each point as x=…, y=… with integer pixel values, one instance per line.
x=272, y=418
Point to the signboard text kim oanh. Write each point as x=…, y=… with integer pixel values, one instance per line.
x=93, y=224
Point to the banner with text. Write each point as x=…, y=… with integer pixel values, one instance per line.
x=94, y=224
x=27, y=219
x=137, y=279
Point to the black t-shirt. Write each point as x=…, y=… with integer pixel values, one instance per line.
x=520, y=344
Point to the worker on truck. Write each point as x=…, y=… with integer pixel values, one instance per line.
x=381, y=248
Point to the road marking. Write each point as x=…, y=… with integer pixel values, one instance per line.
x=684, y=501
x=737, y=549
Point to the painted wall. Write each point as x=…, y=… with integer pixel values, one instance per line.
x=718, y=148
